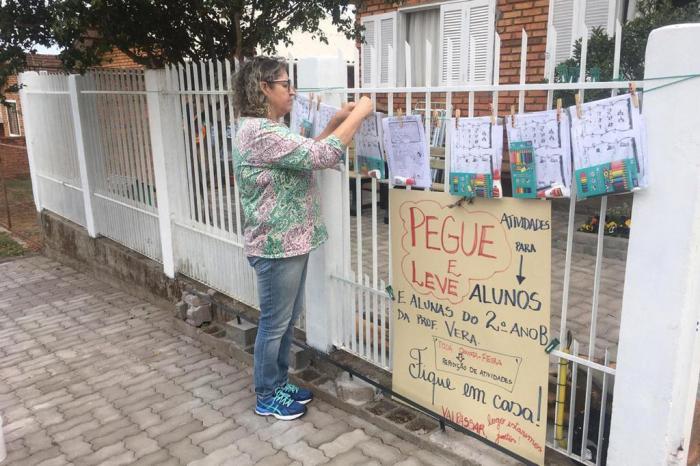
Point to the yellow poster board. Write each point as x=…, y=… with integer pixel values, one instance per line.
x=471, y=313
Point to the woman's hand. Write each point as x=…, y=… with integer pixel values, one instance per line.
x=365, y=106
x=343, y=113
x=346, y=130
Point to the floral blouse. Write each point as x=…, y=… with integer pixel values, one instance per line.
x=274, y=171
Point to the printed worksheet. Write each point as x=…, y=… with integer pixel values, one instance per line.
x=551, y=149
x=369, y=152
x=324, y=114
x=609, y=147
x=302, y=116
x=406, y=149
x=476, y=153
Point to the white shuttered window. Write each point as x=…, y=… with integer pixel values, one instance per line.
x=466, y=41
x=568, y=18
x=378, y=50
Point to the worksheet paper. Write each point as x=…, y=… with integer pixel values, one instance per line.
x=369, y=152
x=324, y=114
x=609, y=147
x=476, y=153
x=406, y=149
x=549, y=136
x=302, y=115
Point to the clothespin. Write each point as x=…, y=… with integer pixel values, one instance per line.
x=390, y=292
x=493, y=114
x=399, y=115
x=311, y=104
x=458, y=114
x=436, y=116
x=552, y=345
x=633, y=93
x=579, y=112
x=318, y=102
x=559, y=109
x=375, y=174
x=512, y=116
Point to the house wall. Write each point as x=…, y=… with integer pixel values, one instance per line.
x=512, y=16
x=13, y=158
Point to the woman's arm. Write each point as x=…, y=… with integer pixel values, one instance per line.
x=337, y=119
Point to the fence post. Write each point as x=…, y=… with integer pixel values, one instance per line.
x=85, y=168
x=162, y=136
x=322, y=308
x=29, y=133
x=659, y=353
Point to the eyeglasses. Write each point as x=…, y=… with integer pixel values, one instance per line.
x=286, y=83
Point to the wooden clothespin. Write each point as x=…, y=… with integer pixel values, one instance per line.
x=318, y=102
x=579, y=112
x=493, y=114
x=399, y=115
x=559, y=109
x=512, y=116
x=311, y=104
x=633, y=93
x=458, y=114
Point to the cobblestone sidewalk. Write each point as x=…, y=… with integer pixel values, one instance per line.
x=92, y=375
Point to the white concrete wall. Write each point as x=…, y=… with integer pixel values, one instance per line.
x=659, y=352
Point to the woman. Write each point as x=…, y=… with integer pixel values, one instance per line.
x=274, y=172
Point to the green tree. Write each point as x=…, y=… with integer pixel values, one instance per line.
x=157, y=32
x=652, y=14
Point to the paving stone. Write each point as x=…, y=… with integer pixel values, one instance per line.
x=352, y=457
x=377, y=449
x=37, y=441
x=226, y=438
x=343, y=443
x=141, y=444
x=115, y=436
x=292, y=435
x=76, y=431
x=208, y=415
x=254, y=447
x=75, y=448
x=57, y=461
x=167, y=426
x=327, y=434
x=160, y=457
x=42, y=455
x=145, y=418
x=212, y=432
x=301, y=451
x=185, y=451
x=222, y=455
x=409, y=462
x=180, y=432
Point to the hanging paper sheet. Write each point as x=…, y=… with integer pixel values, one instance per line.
x=369, y=153
x=324, y=114
x=476, y=153
x=548, y=135
x=406, y=148
x=609, y=147
x=302, y=117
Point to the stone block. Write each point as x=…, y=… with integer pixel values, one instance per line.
x=353, y=391
x=196, y=300
x=299, y=359
x=181, y=310
x=242, y=334
x=197, y=315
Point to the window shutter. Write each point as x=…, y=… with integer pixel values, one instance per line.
x=563, y=22
x=453, y=39
x=370, y=42
x=597, y=14
x=386, y=37
x=480, y=45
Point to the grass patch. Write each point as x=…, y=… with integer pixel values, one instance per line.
x=9, y=247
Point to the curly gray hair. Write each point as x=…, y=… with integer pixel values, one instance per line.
x=248, y=98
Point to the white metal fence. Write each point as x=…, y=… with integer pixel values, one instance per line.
x=150, y=167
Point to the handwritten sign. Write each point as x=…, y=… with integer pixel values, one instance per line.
x=471, y=313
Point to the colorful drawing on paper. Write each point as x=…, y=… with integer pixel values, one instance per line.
x=476, y=153
x=471, y=313
x=609, y=139
x=548, y=132
x=523, y=169
x=302, y=115
x=406, y=149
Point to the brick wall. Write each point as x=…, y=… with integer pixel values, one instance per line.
x=118, y=59
x=13, y=158
x=512, y=16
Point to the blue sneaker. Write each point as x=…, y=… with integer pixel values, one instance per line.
x=298, y=394
x=281, y=405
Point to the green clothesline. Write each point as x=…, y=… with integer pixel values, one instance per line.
x=678, y=78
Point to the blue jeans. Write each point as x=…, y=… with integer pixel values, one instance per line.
x=281, y=291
